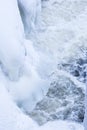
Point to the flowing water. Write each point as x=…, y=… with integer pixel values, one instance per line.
x=64, y=45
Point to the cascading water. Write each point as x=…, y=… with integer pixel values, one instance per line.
x=43, y=60
x=64, y=39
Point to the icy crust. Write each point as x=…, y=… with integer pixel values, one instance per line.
x=11, y=39
x=30, y=12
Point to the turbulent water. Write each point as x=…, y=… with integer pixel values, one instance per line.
x=64, y=37
x=43, y=64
